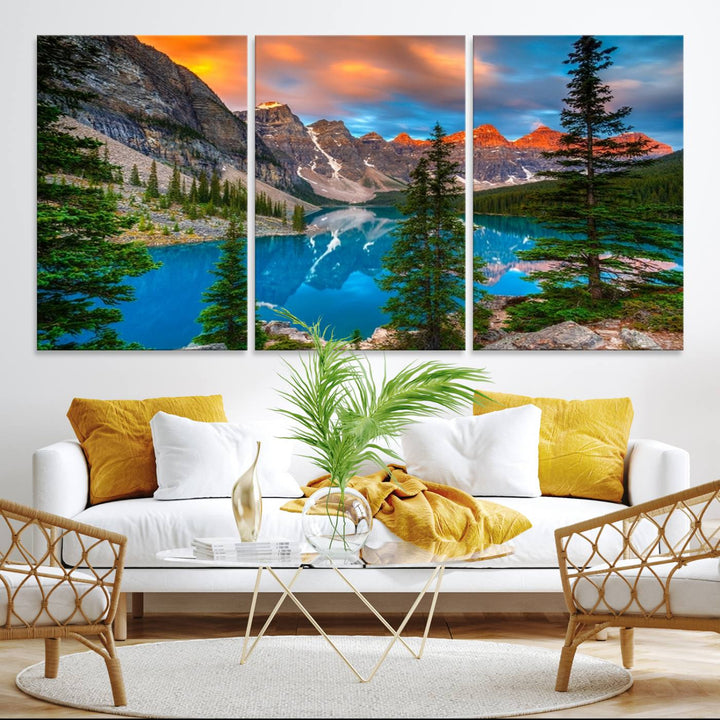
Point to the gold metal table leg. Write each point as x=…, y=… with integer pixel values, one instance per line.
x=246, y=653
x=436, y=575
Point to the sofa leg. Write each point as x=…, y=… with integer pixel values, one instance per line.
x=602, y=634
x=138, y=605
x=52, y=657
x=627, y=646
x=120, y=624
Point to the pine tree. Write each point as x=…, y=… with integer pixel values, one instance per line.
x=174, y=193
x=605, y=240
x=80, y=275
x=261, y=337
x=153, y=189
x=426, y=265
x=224, y=319
x=481, y=314
x=215, y=192
x=298, y=221
x=203, y=188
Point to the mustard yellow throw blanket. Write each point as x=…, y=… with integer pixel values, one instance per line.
x=427, y=514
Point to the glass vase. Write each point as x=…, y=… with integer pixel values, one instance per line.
x=337, y=522
x=247, y=502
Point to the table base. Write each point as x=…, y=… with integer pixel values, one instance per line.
x=248, y=645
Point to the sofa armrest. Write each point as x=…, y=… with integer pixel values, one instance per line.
x=654, y=469
x=61, y=478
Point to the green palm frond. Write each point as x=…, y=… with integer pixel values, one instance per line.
x=346, y=417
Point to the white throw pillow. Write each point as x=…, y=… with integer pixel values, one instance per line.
x=204, y=459
x=493, y=454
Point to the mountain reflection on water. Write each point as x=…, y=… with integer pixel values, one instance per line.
x=330, y=271
x=497, y=239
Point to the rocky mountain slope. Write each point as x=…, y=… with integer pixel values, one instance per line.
x=324, y=158
x=139, y=97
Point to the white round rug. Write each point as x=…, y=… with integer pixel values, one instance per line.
x=301, y=676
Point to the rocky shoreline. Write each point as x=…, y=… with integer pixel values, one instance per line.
x=195, y=231
x=613, y=334
x=605, y=335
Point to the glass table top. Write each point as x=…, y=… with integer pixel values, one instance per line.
x=389, y=554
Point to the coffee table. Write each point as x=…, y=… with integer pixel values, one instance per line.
x=391, y=554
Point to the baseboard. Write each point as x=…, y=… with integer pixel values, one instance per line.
x=347, y=603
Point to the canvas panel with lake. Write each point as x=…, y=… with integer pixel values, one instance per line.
x=142, y=165
x=354, y=128
x=578, y=236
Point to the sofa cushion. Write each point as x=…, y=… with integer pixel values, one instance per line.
x=694, y=590
x=582, y=443
x=115, y=436
x=152, y=525
x=493, y=454
x=204, y=459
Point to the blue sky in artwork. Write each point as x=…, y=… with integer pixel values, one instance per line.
x=520, y=82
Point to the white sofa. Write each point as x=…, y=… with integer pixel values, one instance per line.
x=61, y=477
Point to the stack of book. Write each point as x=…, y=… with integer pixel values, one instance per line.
x=277, y=552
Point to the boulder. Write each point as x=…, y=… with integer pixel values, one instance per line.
x=635, y=340
x=210, y=346
x=565, y=336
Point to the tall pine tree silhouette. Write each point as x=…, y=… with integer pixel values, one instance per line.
x=606, y=246
x=426, y=265
x=224, y=319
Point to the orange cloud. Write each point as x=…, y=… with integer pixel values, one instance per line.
x=446, y=60
x=355, y=67
x=284, y=51
x=219, y=60
x=401, y=83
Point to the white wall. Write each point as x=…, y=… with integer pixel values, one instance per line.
x=676, y=395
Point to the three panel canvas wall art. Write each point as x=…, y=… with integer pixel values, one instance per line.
x=359, y=193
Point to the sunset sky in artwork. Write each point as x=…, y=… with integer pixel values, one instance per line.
x=385, y=84
x=520, y=82
x=219, y=60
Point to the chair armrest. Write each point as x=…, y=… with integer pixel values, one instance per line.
x=61, y=478
x=655, y=469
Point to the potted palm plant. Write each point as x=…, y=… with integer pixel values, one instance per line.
x=345, y=417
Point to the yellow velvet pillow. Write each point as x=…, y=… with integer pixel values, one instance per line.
x=582, y=443
x=116, y=438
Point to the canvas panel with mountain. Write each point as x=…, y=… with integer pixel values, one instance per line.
x=578, y=168
x=359, y=209
x=142, y=193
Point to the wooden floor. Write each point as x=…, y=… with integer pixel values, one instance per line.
x=677, y=673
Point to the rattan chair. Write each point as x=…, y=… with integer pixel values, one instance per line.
x=40, y=598
x=653, y=565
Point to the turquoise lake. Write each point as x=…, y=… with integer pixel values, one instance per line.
x=329, y=273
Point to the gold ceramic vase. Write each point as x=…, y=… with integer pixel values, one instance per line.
x=247, y=502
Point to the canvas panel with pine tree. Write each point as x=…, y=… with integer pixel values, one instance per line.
x=142, y=212
x=578, y=175
x=360, y=171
